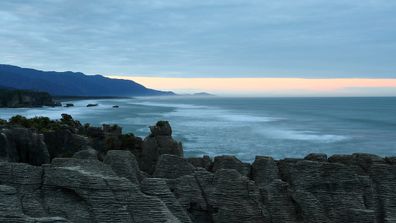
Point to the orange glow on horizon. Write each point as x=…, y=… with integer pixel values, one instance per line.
x=262, y=85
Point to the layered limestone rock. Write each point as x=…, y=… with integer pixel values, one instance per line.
x=171, y=167
x=169, y=188
x=159, y=142
x=203, y=162
x=124, y=164
x=230, y=162
x=77, y=190
x=22, y=145
x=289, y=190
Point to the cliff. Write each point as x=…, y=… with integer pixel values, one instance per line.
x=67, y=172
x=23, y=98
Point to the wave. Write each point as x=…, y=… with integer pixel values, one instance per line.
x=168, y=105
x=302, y=135
x=248, y=118
x=215, y=114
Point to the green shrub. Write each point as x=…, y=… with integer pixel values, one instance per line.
x=3, y=122
x=19, y=120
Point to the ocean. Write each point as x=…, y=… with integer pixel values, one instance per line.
x=246, y=127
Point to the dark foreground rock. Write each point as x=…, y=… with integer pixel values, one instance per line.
x=88, y=190
x=22, y=145
x=357, y=188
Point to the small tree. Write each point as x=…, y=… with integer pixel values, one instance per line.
x=19, y=120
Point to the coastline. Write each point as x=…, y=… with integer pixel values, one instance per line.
x=273, y=127
x=63, y=164
x=77, y=98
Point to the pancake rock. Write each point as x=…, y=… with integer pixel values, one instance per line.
x=156, y=184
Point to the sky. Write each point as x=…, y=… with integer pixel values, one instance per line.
x=154, y=40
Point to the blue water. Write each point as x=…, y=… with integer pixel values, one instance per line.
x=246, y=127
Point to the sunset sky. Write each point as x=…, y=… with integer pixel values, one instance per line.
x=287, y=47
x=273, y=86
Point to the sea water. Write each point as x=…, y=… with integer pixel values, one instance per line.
x=246, y=127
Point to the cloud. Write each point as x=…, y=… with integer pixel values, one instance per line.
x=208, y=38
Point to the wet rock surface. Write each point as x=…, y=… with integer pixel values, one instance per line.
x=170, y=188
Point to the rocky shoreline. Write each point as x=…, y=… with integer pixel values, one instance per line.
x=63, y=171
x=10, y=98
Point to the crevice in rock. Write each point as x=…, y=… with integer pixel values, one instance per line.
x=298, y=210
x=211, y=210
x=76, y=197
x=380, y=208
x=41, y=192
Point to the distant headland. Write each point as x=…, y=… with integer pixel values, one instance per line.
x=72, y=83
x=10, y=98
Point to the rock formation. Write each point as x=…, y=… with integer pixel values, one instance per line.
x=159, y=142
x=23, y=145
x=154, y=183
x=23, y=98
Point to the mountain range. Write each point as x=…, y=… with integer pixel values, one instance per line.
x=71, y=83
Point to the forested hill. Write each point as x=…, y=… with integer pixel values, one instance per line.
x=71, y=83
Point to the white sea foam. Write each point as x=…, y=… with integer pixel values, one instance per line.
x=247, y=118
x=78, y=111
x=206, y=112
x=218, y=115
x=167, y=105
x=302, y=135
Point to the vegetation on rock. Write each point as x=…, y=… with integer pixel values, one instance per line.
x=24, y=98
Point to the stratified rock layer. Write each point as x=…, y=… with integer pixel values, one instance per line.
x=290, y=190
x=22, y=145
x=357, y=188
